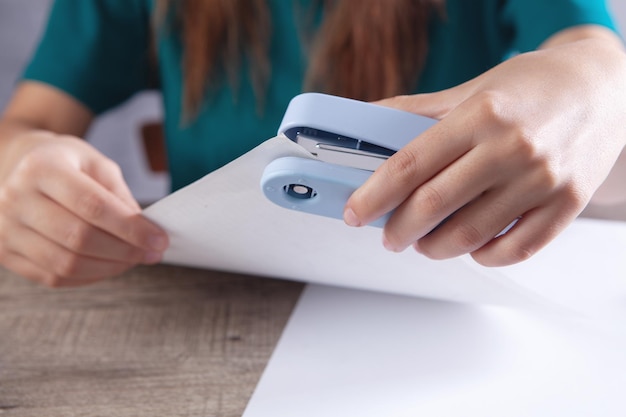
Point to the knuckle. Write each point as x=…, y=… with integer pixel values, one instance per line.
x=523, y=143
x=30, y=163
x=91, y=206
x=494, y=111
x=526, y=153
x=431, y=202
x=76, y=236
x=574, y=197
x=402, y=167
x=491, y=105
x=548, y=175
x=33, y=165
x=467, y=237
x=133, y=233
x=113, y=168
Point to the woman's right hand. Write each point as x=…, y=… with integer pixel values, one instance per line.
x=67, y=216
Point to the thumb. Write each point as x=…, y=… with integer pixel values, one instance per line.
x=436, y=105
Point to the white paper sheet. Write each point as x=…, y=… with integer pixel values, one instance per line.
x=223, y=221
x=354, y=353
x=365, y=354
x=584, y=269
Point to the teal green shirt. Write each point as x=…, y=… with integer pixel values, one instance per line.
x=98, y=51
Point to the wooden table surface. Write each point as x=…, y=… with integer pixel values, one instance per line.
x=157, y=341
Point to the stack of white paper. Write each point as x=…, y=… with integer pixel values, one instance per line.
x=347, y=352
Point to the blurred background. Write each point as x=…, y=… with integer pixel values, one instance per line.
x=116, y=133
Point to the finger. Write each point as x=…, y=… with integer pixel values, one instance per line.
x=103, y=170
x=96, y=205
x=59, y=261
x=477, y=223
x=442, y=195
x=29, y=270
x=486, y=194
x=26, y=268
x=406, y=170
x=480, y=221
x=65, y=228
x=530, y=234
x=109, y=174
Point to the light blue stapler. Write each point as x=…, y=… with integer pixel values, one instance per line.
x=349, y=139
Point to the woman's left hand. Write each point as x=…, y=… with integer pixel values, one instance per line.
x=532, y=139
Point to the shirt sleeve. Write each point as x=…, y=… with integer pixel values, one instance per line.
x=533, y=21
x=98, y=51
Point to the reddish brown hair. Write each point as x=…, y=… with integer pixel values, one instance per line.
x=364, y=49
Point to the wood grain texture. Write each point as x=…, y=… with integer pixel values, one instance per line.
x=157, y=341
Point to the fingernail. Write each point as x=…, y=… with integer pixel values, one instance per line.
x=152, y=257
x=350, y=218
x=157, y=242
